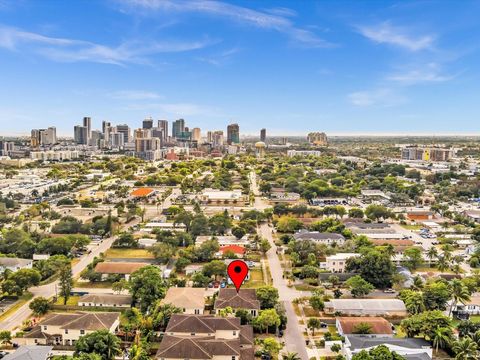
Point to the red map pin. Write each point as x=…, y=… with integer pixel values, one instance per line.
x=237, y=271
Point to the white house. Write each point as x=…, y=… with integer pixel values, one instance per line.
x=336, y=263
x=14, y=264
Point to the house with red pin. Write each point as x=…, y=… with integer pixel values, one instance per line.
x=243, y=299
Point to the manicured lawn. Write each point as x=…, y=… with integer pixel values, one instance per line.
x=72, y=300
x=256, y=279
x=20, y=302
x=93, y=285
x=412, y=227
x=128, y=254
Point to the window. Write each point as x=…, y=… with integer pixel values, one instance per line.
x=192, y=334
x=234, y=333
x=233, y=357
x=45, y=327
x=66, y=331
x=82, y=332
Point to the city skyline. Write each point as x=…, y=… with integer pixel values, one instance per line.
x=367, y=68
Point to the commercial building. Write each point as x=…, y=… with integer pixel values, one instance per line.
x=147, y=123
x=43, y=137
x=125, y=131
x=233, y=134
x=317, y=138
x=263, y=135
x=80, y=135
x=163, y=127
x=178, y=127
x=292, y=153
x=196, y=134
x=87, y=122
x=54, y=155
x=424, y=153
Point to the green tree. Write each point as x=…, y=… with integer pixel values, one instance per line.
x=268, y=296
x=65, y=281
x=147, y=286
x=460, y=294
x=215, y=268
x=374, y=266
x=5, y=337
x=313, y=324
x=264, y=246
x=161, y=315
x=316, y=302
x=291, y=356
x=358, y=286
x=271, y=346
x=266, y=319
x=163, y=252
x=362, y=328
x=441, y=337
x=39, y=306
x=200, y=280
x=436, y=295
x=101, y=342
x=288, y=224
x=413, y=258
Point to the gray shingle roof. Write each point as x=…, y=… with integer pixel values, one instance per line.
x=359, y=342
x=30, y=352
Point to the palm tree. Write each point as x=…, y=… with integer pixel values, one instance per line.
x=441, y=337
x=417, y=283
x=460, y=293
x=291, y=356
x=465, y=349
x=442, y=263
x=432, y=254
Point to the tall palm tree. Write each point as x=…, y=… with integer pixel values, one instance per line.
x=460, y=293
x=291, y=356
x=442, y=263
x=432, y=253
x=441, y=337
x=465, y=349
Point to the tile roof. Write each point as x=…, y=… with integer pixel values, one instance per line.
x=315, y=235
x=233, y=248
x=185, y=297
x=378, y=325
x=203, y=324
x=141, y=192
x=106, y=299
x=82, y=320
x=173, y=347
x=367, y=304
x=244, y=299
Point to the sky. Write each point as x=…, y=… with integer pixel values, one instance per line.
x=343, y=67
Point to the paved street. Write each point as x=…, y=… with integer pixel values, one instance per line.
x=294, y=341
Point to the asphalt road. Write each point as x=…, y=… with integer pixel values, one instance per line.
x=293, y=337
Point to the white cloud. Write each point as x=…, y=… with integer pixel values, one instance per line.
x=385, y=33
x=178, y=109
x=278, y=20
x=72, y=50
x=379, y=97
x=431, y=73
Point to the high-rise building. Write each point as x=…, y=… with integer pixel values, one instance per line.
x=147, y=123
x=117, y=140
x=233, y=134
x=125, y=130
x=106, y=131
x=426, y=153
x=95, y=137
x=317, y=138
x=263, y=135
x=178, y=127
x=209, y=136
x=6, y=147
x=87, y=122
x=163, y=126
x=217, y=138
x=80, y=134
x=43, y=137
x=196, y=134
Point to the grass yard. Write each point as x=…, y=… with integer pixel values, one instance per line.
x=412, y=227
x=306, y=287
x=310, y=312
x=92, y=285
x=20, y=302
x=128, y=254
x=72, y=301
x=256, y=279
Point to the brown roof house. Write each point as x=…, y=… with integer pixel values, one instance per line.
x=191, y=300
x=105, y=300
x=244, y=299
x=126, y=269
x=67, y=328
x=206, y=337
x=377, y=326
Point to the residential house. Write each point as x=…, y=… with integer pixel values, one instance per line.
x=14, y=264
x=471, y=307
x=217, y=197
x=67, y=328
x=238, y=251
x=107, y=268
x=105, y=300
x=320, y=237
x=409, y=348
x=30, y=352
x=379, y=327
x=206, y=337
x=243, y=299
x=366, y=307
x=225, y=240
x=190, y=300
x=336, y=263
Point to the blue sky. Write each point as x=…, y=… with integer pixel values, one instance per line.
x=344, y=67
